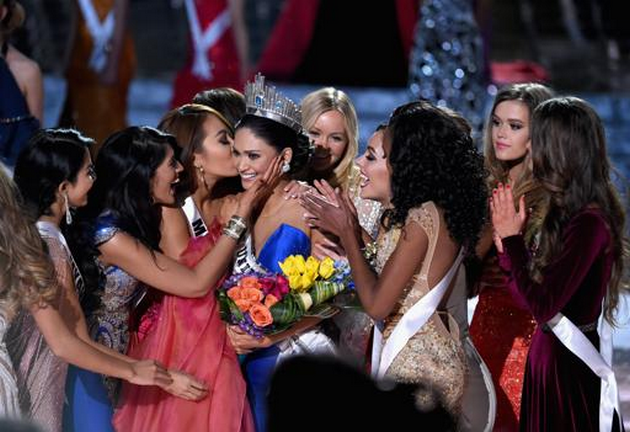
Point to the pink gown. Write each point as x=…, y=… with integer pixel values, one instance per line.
x=189, y=335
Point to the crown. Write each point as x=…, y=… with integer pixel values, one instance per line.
x=266, y=101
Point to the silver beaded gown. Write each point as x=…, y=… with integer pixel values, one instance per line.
x=40, y=374
x=9, y=404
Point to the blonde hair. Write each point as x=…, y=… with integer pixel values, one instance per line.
x=27, y=275
x=327, y=99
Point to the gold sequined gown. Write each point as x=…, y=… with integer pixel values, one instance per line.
x=434, y=356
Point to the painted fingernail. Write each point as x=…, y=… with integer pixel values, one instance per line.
x=494, y=191
x=507, y=186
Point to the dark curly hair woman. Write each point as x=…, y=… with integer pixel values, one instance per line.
x=424, y=169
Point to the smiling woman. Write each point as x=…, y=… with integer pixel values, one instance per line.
x=118, y=244
x=508, y=160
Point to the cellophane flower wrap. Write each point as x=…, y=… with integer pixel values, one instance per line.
x=267, y=303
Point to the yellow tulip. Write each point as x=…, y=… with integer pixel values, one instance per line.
x=288, y=266
x=295, y=281
x=312, y=264
x=327, y=268
x=300, y=263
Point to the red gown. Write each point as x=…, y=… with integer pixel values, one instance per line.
x=188, y=335
x=501, y=330
x=223, y=55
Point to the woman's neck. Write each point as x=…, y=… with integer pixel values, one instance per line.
x=269, y=205
x=54, y=219
x=515, y=171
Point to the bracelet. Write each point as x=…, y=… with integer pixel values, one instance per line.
x=235, y=228
x=369, y=253
x=238, y=221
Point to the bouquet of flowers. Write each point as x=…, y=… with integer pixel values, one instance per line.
x=268, y=303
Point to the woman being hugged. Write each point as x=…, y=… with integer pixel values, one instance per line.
x=119, y=253
x=189, y=334
x=576, y=264
x=270, y=129
x=502, y=325
x=428, y=176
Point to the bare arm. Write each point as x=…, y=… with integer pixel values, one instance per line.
x=182, y=385
x=166, y=274
x=378, y=294
x=70, y=348
x=175, y=233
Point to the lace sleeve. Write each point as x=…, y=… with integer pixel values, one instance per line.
x=426, y=216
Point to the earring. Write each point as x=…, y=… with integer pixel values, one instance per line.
x=67, y=207
x=203, y=178
x=286, y=167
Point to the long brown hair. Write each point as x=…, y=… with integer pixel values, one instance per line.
x=27, y=276
x=530, y=94
x=571, y=164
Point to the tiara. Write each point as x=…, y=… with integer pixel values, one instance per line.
x=266, y=101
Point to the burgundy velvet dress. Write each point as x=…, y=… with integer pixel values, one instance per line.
x=560, y=393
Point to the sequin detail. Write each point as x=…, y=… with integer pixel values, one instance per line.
x=447, y=65
x=433, y=357
x=502, y=332
x=109, y=324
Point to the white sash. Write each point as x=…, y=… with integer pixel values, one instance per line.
x=599, y=362
x=410, y=323
x=196, y=225
x=205, y=39
x=101, y=33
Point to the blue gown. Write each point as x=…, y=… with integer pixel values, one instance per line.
x=259, y=366
x=90, y=395
x=17, y=124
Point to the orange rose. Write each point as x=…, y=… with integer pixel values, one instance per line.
x=252, y=294
x=235, y=293
x=243, y=305
x=261, y=315
x=249, y=282
x=270, y=300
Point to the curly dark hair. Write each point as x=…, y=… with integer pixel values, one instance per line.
x=433, y=158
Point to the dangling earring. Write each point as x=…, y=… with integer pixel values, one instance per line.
x=286, y=167
x=203, y=178
x=67, y=207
